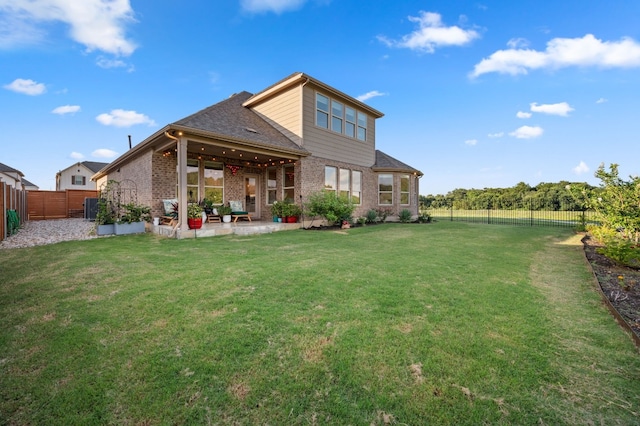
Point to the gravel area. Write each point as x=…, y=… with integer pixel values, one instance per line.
x=41, y=232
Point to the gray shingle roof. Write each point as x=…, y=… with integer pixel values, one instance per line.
x=229, y=118
x=5, y=168
x=94, y=166
x=387, y=162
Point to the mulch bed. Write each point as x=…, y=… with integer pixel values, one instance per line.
x=623, y=294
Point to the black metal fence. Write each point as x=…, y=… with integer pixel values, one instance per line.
x=530, y=215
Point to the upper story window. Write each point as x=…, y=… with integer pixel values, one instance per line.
x=362, y=126
x=322, y=111
x=334, y=115
x=78, y=180
x=350, y=122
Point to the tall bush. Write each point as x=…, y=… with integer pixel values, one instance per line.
x=330, y=206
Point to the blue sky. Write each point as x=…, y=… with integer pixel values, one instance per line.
x=475, y=93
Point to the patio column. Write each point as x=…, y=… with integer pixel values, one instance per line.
x=182, y=182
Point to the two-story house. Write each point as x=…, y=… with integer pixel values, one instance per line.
x=294, y=138
x=15, y=178
x=78, y=176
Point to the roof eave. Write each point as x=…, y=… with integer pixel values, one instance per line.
x=397, y=170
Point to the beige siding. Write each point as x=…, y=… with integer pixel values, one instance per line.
x=64, y=179
x=283, y=112
x=327, y=144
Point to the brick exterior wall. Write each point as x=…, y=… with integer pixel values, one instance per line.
x=312, y=179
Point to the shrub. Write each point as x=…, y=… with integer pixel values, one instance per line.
x=405, y=216
x=383, y=213
x=372, y=216
x=424, y=218
x=330, y=206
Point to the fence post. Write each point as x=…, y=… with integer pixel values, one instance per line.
x=530, y=213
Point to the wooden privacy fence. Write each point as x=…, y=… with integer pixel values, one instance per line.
x=45, y=205
x=14, y=200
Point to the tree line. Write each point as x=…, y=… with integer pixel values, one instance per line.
x=544, y=196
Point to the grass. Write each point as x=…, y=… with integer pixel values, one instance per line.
x=446, y=323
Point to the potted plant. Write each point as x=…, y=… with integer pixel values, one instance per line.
x=225, y=212
x=133, y=219
x=294, y=212
x=194, y=216
x=105, y=218
x=276, y=210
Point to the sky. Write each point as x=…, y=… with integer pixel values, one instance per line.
x=476, y=94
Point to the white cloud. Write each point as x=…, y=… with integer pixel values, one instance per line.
x=107, y=63
x=276, y=6
x=602, y=101
x=496, y=135
x=516, y=43
x=587, y=51
x=27, y=87
x=76, y=155
x=431, y=34
x=369, y=95
x=527, y=132
x=563, y=109
x=66, y=109
x=122, y=118
x=471, y=142
x=521, y=114
x=581, y=168
x=96, y=24
x=104, y=153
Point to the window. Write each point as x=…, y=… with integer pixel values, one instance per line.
x=405, y=187
x=271, y=185
x=345, y=183
x=322, y=111
x=330, y=178
x=350, y=122
x=289, y=183
x=192, y=181
x=356, y=187
x=385, y=189
x=78, y=180
x=341, y=119
x=362, y=126
x=214, y=182
x=336, y=116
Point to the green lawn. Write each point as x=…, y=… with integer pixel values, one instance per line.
x=443, y=323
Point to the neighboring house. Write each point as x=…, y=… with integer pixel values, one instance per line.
x=294, y=138
x=29, y=186
x=15, y=178
x=78, y=176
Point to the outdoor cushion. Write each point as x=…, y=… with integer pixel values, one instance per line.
x=236, y=207
x=168, y=206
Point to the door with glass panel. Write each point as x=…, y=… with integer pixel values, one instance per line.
x=251, y=201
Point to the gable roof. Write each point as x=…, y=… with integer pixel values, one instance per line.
x=94, y=166
x=230, y=118
x=301, y=78
x=6, y=169
x=26, y=183
x=386, y=163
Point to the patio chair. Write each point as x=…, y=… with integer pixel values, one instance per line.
x=237, y=212
x=170, y=215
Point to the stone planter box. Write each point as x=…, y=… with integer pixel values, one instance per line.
x=129, y=228
x=106, y=229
